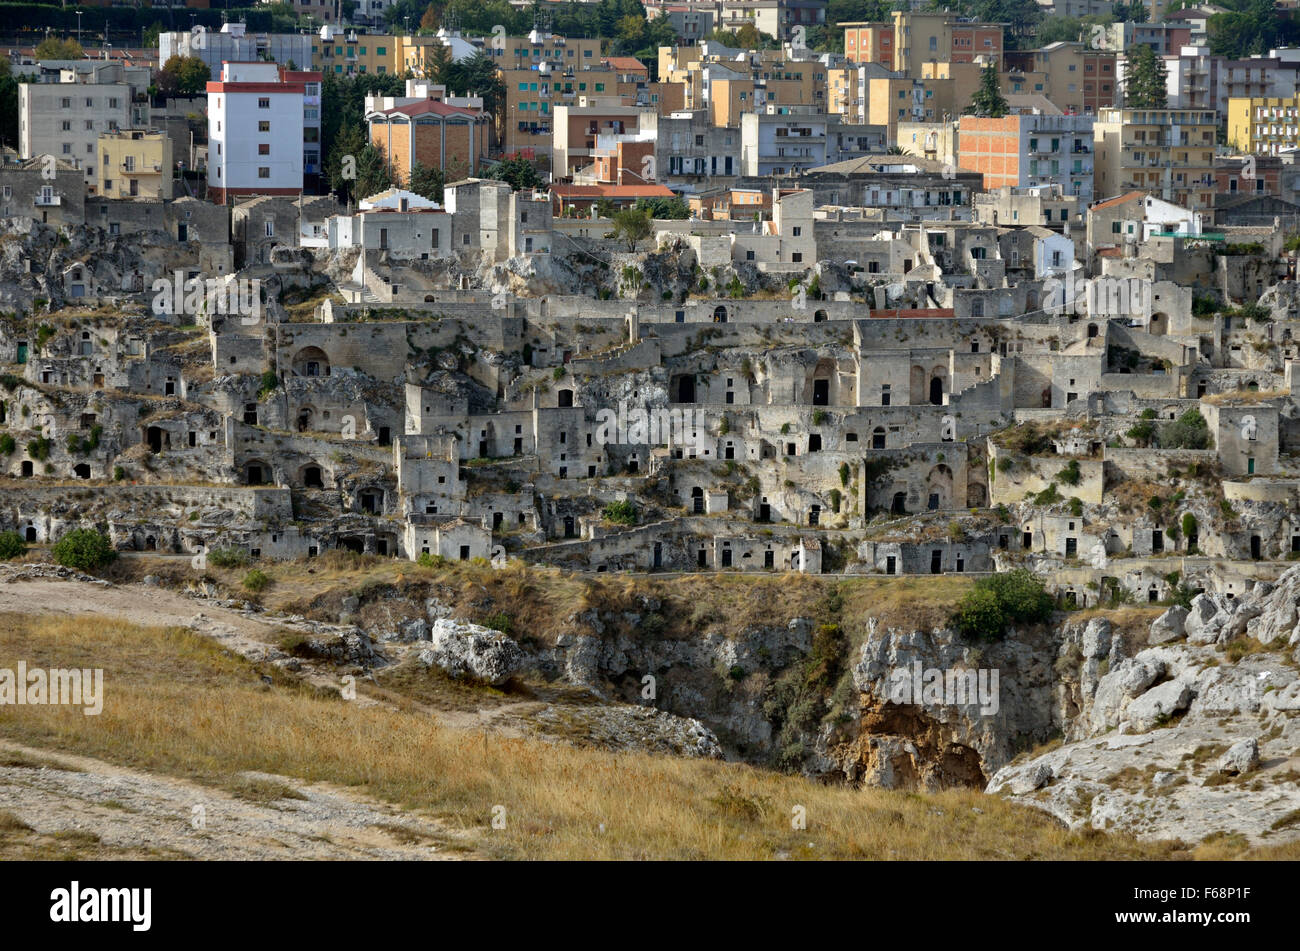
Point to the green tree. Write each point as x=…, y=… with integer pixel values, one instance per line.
x=1134, y=12
x=988, y=100
x=477, y=74
x=357, y=169
x=151, y=34
x=979, y=616
x=427, y=182
x=8, y=110
x=11, y=546
x=518, y=173
x=1058, y=29
x=54, y=48
x=1248, y=27
x=1189, y=431
x=182, y=76
x=664, y=208
x=84, y=549
x=632, y=225
x=1012, y=597
x=1144, y=82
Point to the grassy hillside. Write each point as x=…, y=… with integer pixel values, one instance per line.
x=180, y=705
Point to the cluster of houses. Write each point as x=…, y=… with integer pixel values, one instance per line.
x=885, y=338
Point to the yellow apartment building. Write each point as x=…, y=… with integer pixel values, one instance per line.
x=134, y=163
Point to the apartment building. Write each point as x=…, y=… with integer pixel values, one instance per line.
x=323, y=10
x=1192, y=78
x=578, y=127
x=621, y=160
x=869, y=43
x=1074, y=77
x=1168, y=152
x=233, y=43
x=135, y=163
x=534, y=94
x=1029, y=149
x=894, y=100
x=66, y=118
x=936, y=141
x=348, y=53
x=1264, y=126
x=691, y=21
x=850, y=140
x=525, y=52
x=777, y=18
x=912, y=38
x=1258, y=77
x=782, y=144
x=256, y=131
x=28, y=190
x=1043, y=206
x=689, y=148
x=313, y=166
x=848, y=89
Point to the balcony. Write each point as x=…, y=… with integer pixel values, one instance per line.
x=48, y=201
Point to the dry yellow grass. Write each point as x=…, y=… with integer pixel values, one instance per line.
x=178, y=704
x=1244, y=397
x=542, y=601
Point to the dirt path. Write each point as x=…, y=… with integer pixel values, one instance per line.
x=248, y=635
x=124, y=810
x=127, y=809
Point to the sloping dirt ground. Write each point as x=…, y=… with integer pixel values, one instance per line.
x=63, y=806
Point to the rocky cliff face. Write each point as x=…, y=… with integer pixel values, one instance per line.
x=1195, y=733
x=1184, y=730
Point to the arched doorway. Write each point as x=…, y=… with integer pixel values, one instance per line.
x=939, y=488
x=311, y=361
x=371, y=500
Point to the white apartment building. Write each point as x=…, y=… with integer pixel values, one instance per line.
x=234, y=44
x=784, y=144
x=255, y=132
x=66, y=118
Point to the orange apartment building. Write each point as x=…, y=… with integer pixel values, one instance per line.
x=667, y=98
x=578, y=128
x=992, y=148
x=731, y=204
x=624, y=163
x=869, y=43
x=533, y=95
x=436, y=135
x=912, y=39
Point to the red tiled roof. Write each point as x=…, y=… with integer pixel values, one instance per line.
x=1112, y=202
x=612, y=191
x=625, y=63
x=430, y=106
